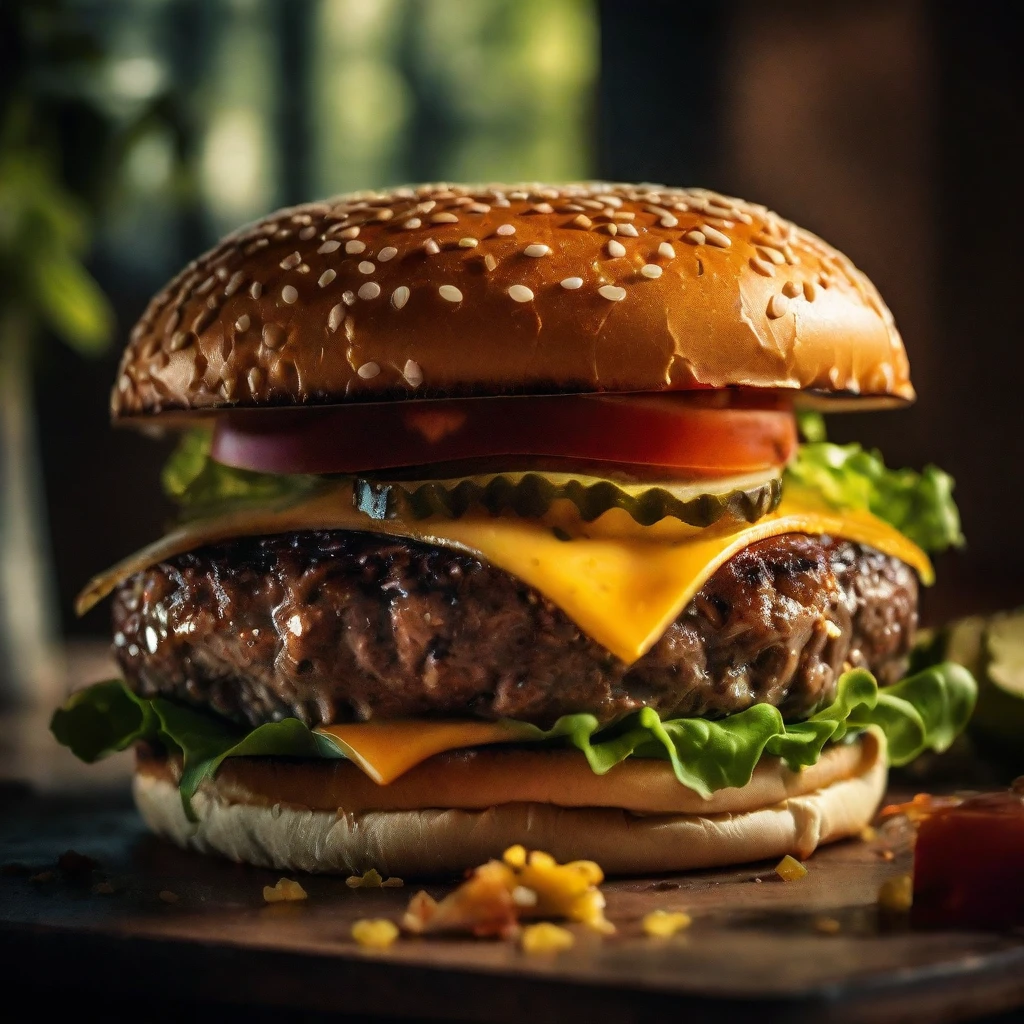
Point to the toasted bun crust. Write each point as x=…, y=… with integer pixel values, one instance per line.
x=779, y=812
x=445, y=291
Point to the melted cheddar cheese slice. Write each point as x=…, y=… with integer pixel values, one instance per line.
x=622, y=584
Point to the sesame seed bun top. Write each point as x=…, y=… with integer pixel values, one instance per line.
x=447, y=290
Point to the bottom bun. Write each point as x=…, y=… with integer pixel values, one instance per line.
x=439, y=841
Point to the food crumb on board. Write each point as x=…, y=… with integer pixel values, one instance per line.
x=375, y=933
x=896, y=894
x=789, y=869
x=827, y=926
x=373, y=879
x=285, y=890
x=545, y=937
x=663, y=924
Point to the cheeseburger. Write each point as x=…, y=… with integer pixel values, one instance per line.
x=495, y=527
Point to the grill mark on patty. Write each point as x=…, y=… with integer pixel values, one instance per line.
x=333, y=625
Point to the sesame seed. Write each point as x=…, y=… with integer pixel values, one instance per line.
x=431, y=248
x=669, y=221
x=571, y=283
x=612, y=229
x=629, y=231
x=541, y=208
x=444, y=218
x=412, y=223
x=400, y=296
x=354, y=246
x=352, y=232
x=582, y=221
x=611, y=292
x=255, y=289
x=307, y=233
x=694, y=237
x=349, y=298
x=791, y=289
x=368, y=370
x=236, y=282
x=505, y=229
x=326, y=278
x=651, y=270
x=303, y=268
x=490, y=262
x=520, y=293
x=370, y=290
x=468, y=243
x=449, y=293
x=810, y=291
x=413, y=373
x=242, y=323
x=667, y=251
x=777, y=306
x=715, y=237
x=290, y=262
x=289, y=294
x=181, y=340
x=331, y=245
x=255, y=378
x=366, y=267
x=336, y=317
x=624, y=215
x=616, y=249
x=763, y=267
x=389, y=252
x=274, y=335
x=478, y=208
x=536, y=249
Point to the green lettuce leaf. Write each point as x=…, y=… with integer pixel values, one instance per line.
x=202, y=487
x=108, y=717
x=919, y=505
x=923, y=711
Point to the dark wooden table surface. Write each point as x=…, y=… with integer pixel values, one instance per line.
x=220, y=953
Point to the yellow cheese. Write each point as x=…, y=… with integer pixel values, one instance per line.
x=387, y=749
x=622, y=584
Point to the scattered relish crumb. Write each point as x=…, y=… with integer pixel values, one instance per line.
x=42, y=876
x=375, y=933
x=393, y=882
x=827, y=926
x=896, y=894
x=285, y=891
x=546, y=937
x=102, y=889
x=515, y=856
x=169, y=897
x=662, y=924
x=789, y=869
x=368, y=880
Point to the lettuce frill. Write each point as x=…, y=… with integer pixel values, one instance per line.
x=923, y=711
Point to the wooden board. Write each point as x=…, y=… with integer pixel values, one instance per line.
x=220, y=953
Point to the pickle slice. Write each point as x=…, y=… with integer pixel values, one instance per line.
x=531, y=495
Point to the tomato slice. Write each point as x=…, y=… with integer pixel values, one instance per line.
x=665, y=431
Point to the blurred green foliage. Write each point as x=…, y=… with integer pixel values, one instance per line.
x=44, y=227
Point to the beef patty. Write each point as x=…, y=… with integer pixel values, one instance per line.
x=333, y=626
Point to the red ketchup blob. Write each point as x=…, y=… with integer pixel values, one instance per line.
x=969, y=864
